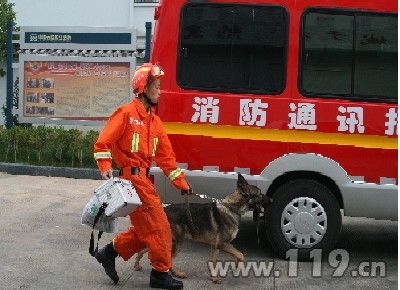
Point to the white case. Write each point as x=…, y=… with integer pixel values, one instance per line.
x=119, y=195
x=105, y=223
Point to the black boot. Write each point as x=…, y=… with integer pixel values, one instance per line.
x=106, y=257
x=163, y=280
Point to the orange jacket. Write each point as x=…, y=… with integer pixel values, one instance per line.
x=134, y=138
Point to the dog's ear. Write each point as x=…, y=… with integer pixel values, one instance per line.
x=242, y=184
x=242, y=179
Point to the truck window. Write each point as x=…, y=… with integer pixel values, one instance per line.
x=233, y=48
x=349, y=54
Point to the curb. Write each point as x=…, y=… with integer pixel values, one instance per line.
x=51, y=171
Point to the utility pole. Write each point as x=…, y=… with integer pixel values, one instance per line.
x=148, y=42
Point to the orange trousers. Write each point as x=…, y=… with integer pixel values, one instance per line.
x=150, y=227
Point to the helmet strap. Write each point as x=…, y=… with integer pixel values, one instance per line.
x=148, y=100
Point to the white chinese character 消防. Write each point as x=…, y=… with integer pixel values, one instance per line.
x=206, y=110
x=253, y=112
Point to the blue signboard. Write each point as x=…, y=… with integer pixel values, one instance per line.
x=82, y=38
x=77, y=37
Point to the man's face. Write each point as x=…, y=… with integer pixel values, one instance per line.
x=152, y=90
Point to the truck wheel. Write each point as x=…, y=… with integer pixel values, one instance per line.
x=305, y=215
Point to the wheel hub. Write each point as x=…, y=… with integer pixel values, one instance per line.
x=303, y=222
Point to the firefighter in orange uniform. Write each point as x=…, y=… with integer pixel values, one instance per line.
x=134, y=137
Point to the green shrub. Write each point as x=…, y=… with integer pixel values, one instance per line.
x=53, y=146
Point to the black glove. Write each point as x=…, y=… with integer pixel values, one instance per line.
x=187, y=191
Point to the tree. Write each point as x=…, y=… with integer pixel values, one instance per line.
x=6, y=14
x=15, y=104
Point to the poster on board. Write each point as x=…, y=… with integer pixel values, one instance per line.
x=81, y=90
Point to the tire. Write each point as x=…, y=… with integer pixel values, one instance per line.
x=305, y=215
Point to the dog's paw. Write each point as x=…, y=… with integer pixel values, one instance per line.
x=178, y=274
x=216, y=280
x=138, y=268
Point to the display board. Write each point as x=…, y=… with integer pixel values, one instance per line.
x=83, y=90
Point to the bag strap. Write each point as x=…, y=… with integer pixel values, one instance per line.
x=96, y=219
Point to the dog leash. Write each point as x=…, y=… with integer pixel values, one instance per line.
x=204, y=196
x=190, y=219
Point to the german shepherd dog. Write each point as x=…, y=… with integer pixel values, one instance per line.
x=215, y=223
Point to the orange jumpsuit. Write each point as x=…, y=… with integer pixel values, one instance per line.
x=135, y=138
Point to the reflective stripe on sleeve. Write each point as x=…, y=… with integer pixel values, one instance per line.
x=99, y=155
x=174, y=174
x=155, y=142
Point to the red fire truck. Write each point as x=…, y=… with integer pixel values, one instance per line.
x=300, y=96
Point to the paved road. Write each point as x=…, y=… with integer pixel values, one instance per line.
x=43, y=246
